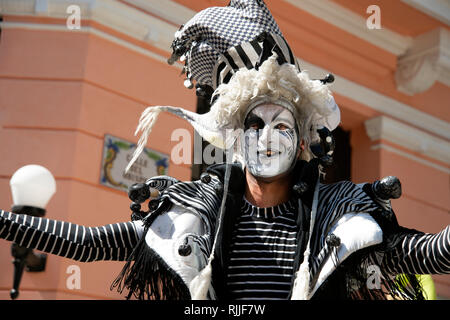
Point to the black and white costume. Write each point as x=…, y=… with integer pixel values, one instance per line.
x=203, y=240
x=368, y=236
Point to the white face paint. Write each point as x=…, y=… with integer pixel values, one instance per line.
x=270, y=141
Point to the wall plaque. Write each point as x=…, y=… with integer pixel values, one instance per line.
x=116, y=155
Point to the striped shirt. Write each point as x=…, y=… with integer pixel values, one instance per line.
x=110, y=242
x=262, y=252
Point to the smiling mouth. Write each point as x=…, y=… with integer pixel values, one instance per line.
x=268, y=153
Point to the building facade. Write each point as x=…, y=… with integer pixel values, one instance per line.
x=73, y=72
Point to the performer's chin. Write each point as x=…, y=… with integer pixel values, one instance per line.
x=270, y=170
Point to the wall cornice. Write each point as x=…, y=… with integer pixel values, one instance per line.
x=427, y=61
x=354, y=24
x=382, y=103
x=113, y=14
x=385, y=128
x=167, y=9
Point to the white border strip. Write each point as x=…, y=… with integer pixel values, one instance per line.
x=385, y=128
x=166, y=9
x=411, y=157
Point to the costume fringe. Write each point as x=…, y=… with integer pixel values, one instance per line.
x=402, y=287
x=149, y=277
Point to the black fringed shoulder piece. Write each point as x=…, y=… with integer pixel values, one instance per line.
x=404, y=286
x=146, y=275
x=349, y=280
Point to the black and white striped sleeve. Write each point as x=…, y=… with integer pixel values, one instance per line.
x=420, y=253
x=65, y=239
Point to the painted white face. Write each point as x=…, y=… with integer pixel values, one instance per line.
x=270, y=141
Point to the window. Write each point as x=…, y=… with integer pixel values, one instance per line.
x=341, y=167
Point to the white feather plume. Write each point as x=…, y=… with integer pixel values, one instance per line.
x=204, y=124
x=146, y=123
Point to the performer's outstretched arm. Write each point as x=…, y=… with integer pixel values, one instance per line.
x=420, y=253
x=85, y=244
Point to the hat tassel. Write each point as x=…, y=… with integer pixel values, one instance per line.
x=199, y=286
x=301, y=283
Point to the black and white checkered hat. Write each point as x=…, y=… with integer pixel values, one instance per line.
x=218, y=41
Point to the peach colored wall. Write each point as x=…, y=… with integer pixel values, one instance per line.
x=396, y=16
x=425, y=200
x=60, y=92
